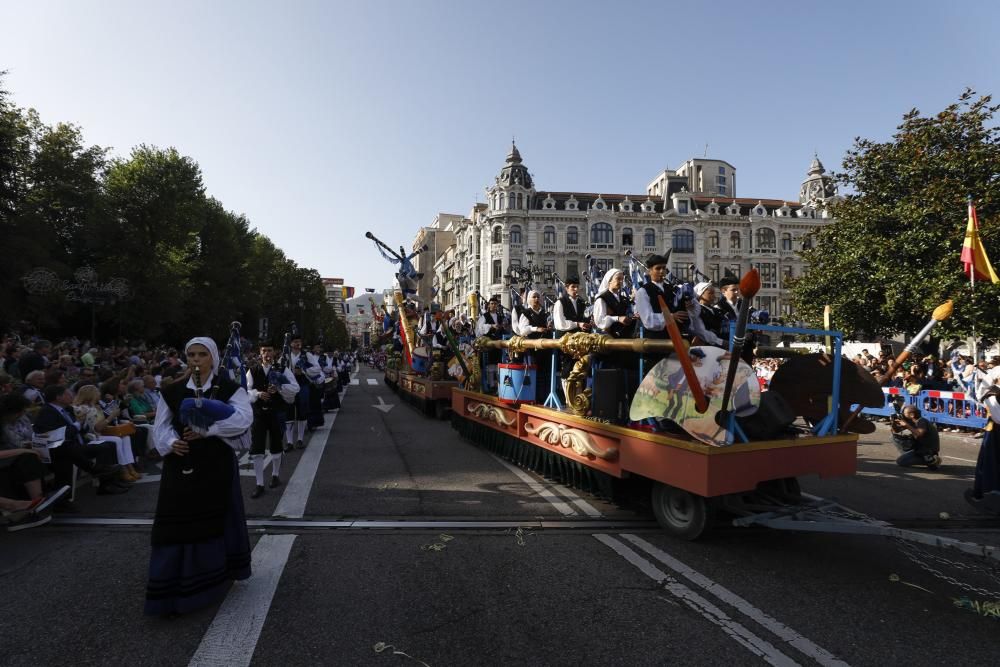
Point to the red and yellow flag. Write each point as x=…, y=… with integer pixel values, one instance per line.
x=974, y=260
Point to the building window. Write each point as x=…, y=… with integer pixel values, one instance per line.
x=515, y=235
x=681, y=271
x=549, y=235
x=765, y=239
x=497, y=235
x=713, y=240
x=768, y=274
x=682, y=207
x=734, y=270
x=627, y=237
x=786, y=241
x=786, y=274
x=722, y=171
x=549, y=266
x=649, y=238
x=602, y=235
x=683, y=240
x=720, y=180
x=603, y=266
x=807, y=243
x=470, y=245
x=713, y=272
x=572, y=236
x=735, y=242
x=497, y=271
x=722, y=189
x=572, y=270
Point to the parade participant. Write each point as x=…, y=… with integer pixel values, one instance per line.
x=297, y=418
x=490, y=325
x=270, y=390
x=199, y=537
x=533, y=324
x=730, y=290
x=568, y=317
x=706, y=322
x=985, y=491
x=610, y=310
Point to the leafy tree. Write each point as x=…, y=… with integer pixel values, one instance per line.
x=892, y=254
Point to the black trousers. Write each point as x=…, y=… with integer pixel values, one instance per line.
x=83, y=457
x=18, y=471
x=267, y=432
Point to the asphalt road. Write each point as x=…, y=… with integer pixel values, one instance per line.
x=562, y=578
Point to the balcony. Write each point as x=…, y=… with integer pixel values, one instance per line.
x=549, y=247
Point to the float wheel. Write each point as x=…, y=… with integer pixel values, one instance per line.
x=679, y=512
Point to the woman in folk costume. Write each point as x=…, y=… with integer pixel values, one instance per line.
x=533, y=323
x=985, y=491
x=199, y=538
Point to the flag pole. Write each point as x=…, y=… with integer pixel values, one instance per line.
x=972, y=288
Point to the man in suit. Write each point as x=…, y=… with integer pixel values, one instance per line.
x=98, y=459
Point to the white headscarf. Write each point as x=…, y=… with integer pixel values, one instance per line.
x=608, y=277
x=540, y=302
x=210, y=345
x=700, y=288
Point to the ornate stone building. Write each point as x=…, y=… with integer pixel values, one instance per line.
x=693, y=210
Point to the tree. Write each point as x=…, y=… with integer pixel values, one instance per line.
x=892, y=254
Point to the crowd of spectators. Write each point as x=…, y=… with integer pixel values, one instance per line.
x=104, y=397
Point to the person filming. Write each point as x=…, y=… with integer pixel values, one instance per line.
x=916, y=439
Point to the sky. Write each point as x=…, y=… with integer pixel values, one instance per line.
x=323, y=120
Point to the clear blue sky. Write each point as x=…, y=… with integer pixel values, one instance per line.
x=323, y=120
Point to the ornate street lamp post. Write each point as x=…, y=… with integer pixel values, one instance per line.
x=85, y=288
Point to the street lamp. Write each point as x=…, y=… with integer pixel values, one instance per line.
x=86, y=289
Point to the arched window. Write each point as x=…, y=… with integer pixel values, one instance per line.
x=713, y=240
x=549, y=235
x=572, y=236
x=602, y=234
x=765, y=239
x=735, y=242
x=470, y=245
x=627, y=237
x=497, y=235
x=511, y=201
x=515, y=234
x=683, y=240
x=786, y=241
x=649, y=238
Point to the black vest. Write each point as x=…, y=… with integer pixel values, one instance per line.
x=573, y=308
x=539, y=319
x=496, y=334
x=654, y=292
x=617, y=308
x=260, y=383
x=712, y=317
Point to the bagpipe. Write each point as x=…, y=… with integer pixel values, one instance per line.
x=276, y=376
x=233, y=359
x=200, y=413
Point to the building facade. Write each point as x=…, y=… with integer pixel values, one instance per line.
x=694, y=211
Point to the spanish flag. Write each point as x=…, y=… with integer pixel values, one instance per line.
x=975, y=262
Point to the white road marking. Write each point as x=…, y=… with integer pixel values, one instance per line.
x=383, y=406
x=955, y=458
x=541, y=490
x=737, y=631
x=567, y=493
x=246, y=460
x=232, y=637
x=296, y=495
x=355, y=381
x=790, y=636
x=372, y=381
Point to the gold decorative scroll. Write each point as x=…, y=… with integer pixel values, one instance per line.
x=490, y=413
x=579, y=441
x=578, y=345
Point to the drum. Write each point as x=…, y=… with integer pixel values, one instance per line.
x=119, y=430
x=517, y=383
x=421, y=365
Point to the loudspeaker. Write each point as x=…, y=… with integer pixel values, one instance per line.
x=771, y=420
x=610, y=394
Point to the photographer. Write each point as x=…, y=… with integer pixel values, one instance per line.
x=916, y=439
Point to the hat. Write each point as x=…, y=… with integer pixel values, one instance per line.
x=495, y=298
x=729, y=280
x=654, y=260
x=572, y=280
x=700, y=288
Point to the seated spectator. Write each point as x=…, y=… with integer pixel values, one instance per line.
x=95, y=427
x=36, y=359
x=89, y=358
x=34, y=382
x=88, y=375
x=98, y=459
x=21, y=467
x=152, y=392
x=140, y=405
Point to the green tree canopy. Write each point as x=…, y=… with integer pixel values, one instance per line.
x=892, y=254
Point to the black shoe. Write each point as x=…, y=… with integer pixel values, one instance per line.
x=257, y=492
x=300, y=445
x=275, y=482
x=104, y=470
x=288, y=447
x=110, y=490
x=65, y=506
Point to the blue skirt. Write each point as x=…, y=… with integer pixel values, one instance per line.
x=987, y=477
x=186, y=577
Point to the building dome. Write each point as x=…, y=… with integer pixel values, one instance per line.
x=818, y=186
x=514, y=172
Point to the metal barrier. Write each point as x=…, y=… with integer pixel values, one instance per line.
x=953, y=408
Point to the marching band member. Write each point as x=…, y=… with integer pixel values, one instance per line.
x=568, y=317
x=270, y=390
x=298, y=414
x=647, y=304
x=200, y=540
x=533, y=323
x=611, y=312
x=985, y=491
x=706, y=320
x=490, y=325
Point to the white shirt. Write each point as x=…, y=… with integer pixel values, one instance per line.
x=559, y=320
x=650, y=321
x=229, y=429
x=483, y=327
x=287, y=390
x=602, y=320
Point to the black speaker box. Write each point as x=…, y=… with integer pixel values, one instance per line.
x=610, y=394
x=771, y=420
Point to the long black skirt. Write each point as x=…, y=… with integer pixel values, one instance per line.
x=185, y=576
